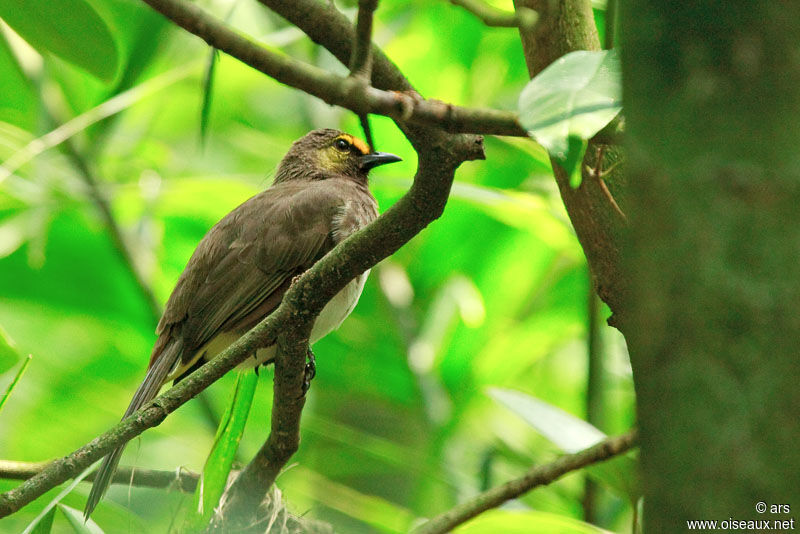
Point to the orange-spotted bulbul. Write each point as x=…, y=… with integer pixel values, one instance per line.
x=246, y=262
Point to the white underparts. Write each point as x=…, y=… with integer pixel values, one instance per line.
x=330, y=318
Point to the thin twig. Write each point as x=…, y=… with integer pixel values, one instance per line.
x=489, y=15
x=361, y=59
x=182, y=480
x=598, y=173
x=535, y=477
x=114, y=229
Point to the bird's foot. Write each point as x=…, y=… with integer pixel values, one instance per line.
x=310, y=370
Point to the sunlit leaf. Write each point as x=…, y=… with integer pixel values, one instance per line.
x=218, y=465
x=570, y=101
x=380, y=513
x=525, y=522
x=63, y=493
x=70, y=29
x=45, y=524
x=15, y=381
x=18, y=105
x=79, y=525
x=571, y=434
x=8, y=352
x=208, y=94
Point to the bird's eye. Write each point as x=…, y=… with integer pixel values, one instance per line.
x=342, y=145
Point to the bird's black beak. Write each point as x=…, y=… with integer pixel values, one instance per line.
x=368, y=161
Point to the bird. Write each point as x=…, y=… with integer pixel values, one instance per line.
x=242, y=267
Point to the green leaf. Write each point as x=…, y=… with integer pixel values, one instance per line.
x=218, y=465
x=18, y=105
x=525, y=522
x=63, y=493
x=14, y=382
x=8, y=353
x=575, y=97
x=71, y=29
x=567, y=432
x=571, y=434
x=75, y=518
x=45, y=524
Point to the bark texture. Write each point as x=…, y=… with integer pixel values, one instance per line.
x=712, y=100
x=563, y=27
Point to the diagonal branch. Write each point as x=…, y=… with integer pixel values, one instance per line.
x=535, y=477
x=346, y=92
x=182, y=479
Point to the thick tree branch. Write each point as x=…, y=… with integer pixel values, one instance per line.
x=182, y=480
x=351, y=93
x=535, y=477
x=491, y=16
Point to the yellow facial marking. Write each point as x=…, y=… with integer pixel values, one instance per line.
x=356, y=142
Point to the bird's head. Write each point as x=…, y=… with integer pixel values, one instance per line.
x=326, y=153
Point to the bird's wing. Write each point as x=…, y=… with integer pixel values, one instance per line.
x=246, y=262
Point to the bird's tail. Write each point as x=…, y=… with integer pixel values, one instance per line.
x=147, y=391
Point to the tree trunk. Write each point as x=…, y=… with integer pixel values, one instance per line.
x=712, y=99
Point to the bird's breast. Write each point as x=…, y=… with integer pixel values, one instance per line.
x=339, y=307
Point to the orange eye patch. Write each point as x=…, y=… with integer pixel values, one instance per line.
x=360, y=145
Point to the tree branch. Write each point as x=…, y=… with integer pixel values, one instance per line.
x=182, y=479
x=350, y=92
x=564, y=27
x=439, y=156
x=361, y=60
x=240, y=504
x=491, y=16
x=535, y=477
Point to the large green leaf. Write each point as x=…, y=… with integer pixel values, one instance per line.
x=570, y=101
x=220, y=459
x=571, y=434
x=70, y=29
x=18, y=105
x=525, y=522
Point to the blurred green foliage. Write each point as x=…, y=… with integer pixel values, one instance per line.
x=398, y=424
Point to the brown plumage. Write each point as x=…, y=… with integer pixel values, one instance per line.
x=245, y=263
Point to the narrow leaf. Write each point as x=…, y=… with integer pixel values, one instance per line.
x=14, y=382
x=75, y=518
x=208, y=92
x=52, y=504
x=218, y=465
x=8, y=353
x=70, y=29
x=45, y=525
x=571, y=434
